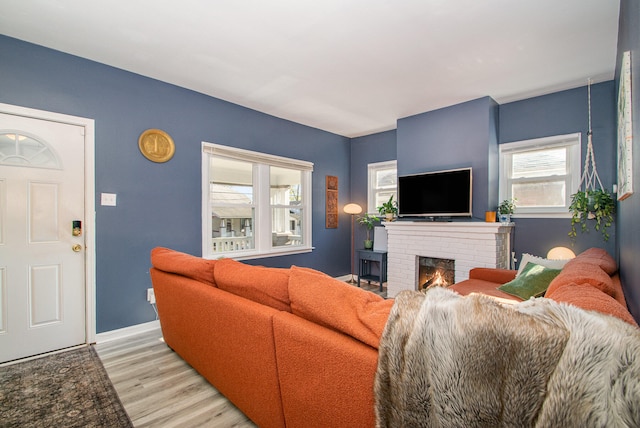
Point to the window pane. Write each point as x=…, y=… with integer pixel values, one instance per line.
x=233, y=233
x=16, y=149
x=231, y=181
x=227, y=194
x=386, y=178
x=286, y=186
x=286, y=226
x=232, y=214
x=539, y=163
x=540, y=194
x=382, y=197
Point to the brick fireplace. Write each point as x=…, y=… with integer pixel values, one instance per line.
x=469, y=244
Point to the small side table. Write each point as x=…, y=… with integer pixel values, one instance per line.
x=365, y=260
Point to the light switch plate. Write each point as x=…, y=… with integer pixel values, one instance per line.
x=108, y=199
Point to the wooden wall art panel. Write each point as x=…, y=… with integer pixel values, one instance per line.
x=331, y=201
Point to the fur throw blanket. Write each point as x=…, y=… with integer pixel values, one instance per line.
x=452, y=361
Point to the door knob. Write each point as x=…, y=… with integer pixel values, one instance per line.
x=76, y=248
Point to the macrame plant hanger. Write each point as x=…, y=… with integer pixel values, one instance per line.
x=590, y=173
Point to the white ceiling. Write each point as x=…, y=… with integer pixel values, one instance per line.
x=351, y=67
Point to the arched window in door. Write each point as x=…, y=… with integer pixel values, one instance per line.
x=21, y=149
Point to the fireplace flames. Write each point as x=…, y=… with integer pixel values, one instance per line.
x=436, y=280
x=434, y=272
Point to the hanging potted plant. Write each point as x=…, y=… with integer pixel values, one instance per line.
x=369, y=222
x=595, y=205
x=591, y=203
x=389, y=209
x=506, y=209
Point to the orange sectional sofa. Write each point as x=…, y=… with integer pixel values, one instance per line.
x=289, y=347
x=297, y=348
x=590, y=281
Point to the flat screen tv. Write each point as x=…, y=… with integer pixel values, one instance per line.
x=436, y=194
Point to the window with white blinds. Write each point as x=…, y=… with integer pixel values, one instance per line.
x=541, y=174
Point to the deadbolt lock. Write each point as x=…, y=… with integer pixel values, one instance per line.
x=76, y=248
x=76, y=227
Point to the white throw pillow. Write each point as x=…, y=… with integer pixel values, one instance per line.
x=551, y=264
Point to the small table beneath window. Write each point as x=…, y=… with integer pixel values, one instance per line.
x=365, y=259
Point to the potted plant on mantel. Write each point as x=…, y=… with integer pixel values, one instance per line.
x=389, y=209
x=506, y=209
x=369, y=222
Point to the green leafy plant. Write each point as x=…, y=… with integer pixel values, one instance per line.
x=508, y=206
x=369, y=222
x=389, y=208
x=596, y=205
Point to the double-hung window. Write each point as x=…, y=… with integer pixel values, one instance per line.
x=383, y=183
x=541, y=174
x=254, y=204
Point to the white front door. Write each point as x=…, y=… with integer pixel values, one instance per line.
x=42, y=260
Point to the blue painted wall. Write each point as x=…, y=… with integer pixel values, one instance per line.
x=560, y=113
x=159, y=204
x=459, y=136
x=372, y=148
x=468, y=134
x=629, y=209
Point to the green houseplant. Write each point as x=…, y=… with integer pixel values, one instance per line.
x=592, y=204
x=506, y=209
x=389, y=209
x=368, y=221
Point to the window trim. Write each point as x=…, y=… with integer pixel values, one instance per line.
x=372, y=168
x=573, y=142
x=262, y=246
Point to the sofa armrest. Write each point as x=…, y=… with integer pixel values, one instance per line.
x=499, y=276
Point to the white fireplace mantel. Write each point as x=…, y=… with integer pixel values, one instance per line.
x=470, y=243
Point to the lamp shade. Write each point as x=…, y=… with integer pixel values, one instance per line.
x=352, y=209
x=560, y=253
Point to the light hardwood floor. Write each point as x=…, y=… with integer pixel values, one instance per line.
x=159, y=389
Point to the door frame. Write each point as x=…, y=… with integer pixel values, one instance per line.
x=89, y=202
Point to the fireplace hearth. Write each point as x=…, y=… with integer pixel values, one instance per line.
x=435, y=272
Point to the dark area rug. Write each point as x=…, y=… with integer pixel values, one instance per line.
x=69, y=389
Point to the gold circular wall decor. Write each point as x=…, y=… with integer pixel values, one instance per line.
x=156, y=145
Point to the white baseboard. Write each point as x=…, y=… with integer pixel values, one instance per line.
x=121, y=333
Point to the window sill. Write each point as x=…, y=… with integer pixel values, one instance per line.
x=245, y=255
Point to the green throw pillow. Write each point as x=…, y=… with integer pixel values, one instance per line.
x=532, y=281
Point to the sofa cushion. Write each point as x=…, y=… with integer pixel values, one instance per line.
x=333, y=304
x=582, y=271
x=488, y=288
x=549, y=263
x=599, y=257
x=184, y=264
x=268, y=286
x=533, y=281
x=499, y=276
x=587, y=297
